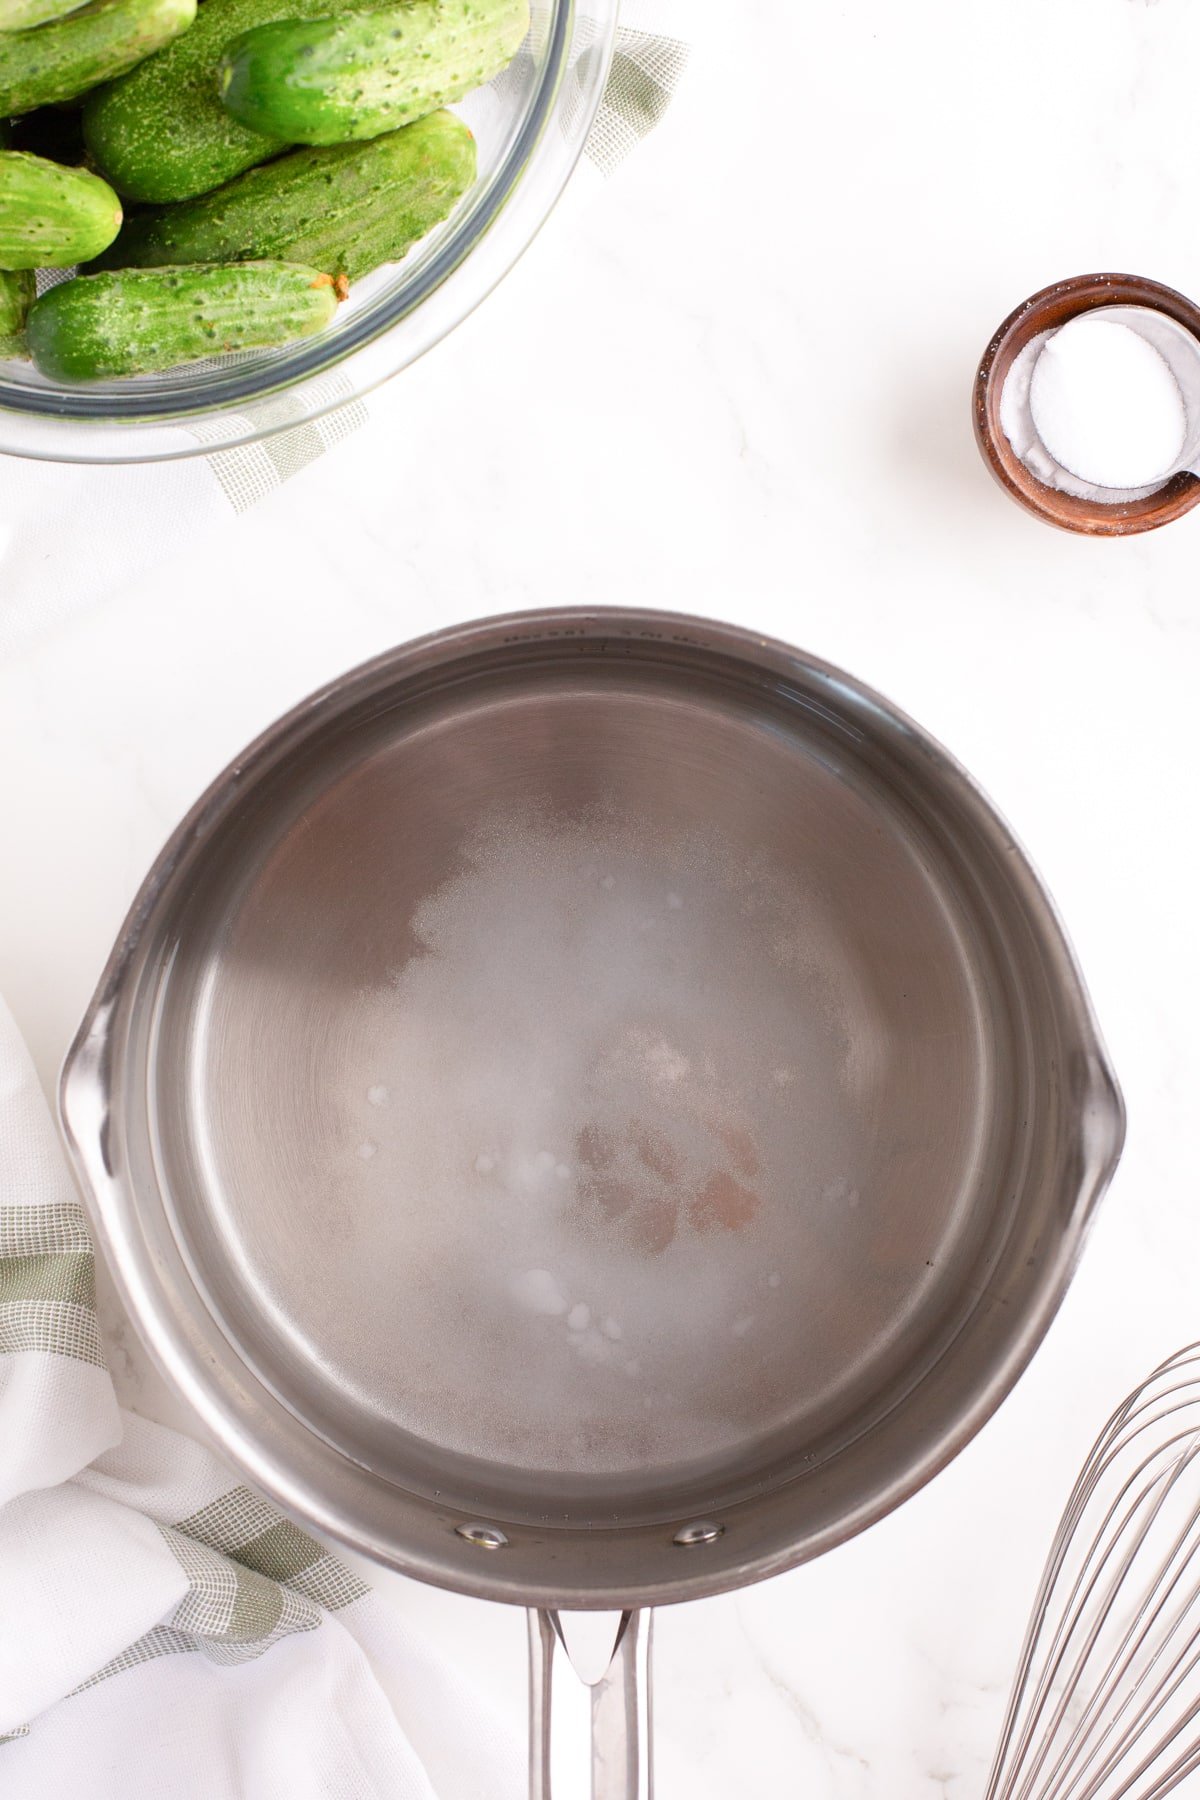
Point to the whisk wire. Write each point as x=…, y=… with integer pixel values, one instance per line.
x=1146, y=1621
x=1083, y=1590
x=1062, y=1679
x=1107, y=1446
x=1106, y=1700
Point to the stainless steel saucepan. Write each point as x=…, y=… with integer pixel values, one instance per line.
x=592, y=1109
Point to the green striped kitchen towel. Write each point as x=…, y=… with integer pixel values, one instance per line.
x=163, y=1630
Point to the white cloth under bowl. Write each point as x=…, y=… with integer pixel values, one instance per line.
x=165, y=1634
x=69, y=534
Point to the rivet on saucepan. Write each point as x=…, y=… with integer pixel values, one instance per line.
x=487, y=1537
x=704, y=1531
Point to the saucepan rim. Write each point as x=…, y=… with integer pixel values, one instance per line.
x=93, y=1091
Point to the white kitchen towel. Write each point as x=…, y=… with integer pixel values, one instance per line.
x=164, y=1633
x=69, y=535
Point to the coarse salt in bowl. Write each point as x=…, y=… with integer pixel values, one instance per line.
x=1106, y=404
x=1084, y=415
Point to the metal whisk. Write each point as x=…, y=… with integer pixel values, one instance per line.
x=1106, y=1700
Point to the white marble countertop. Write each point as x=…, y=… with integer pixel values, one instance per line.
x=737, y=383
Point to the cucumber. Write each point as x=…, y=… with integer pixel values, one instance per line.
x=134, y=321
x=17, y=290
x=161, y=132
x=23, y=15
x=103, y=40
x=346, y=207
x=51, y=217
x=327, y=81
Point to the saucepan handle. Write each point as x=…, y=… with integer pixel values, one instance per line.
x=619, y=1680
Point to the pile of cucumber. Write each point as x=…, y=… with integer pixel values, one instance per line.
x=269, y=152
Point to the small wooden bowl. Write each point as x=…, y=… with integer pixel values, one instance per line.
x=1045, y=312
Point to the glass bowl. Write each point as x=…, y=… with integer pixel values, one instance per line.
x=530, y=125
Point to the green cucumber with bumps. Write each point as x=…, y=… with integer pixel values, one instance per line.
x=346, y=207
x=328, y=81
x=161, y=132
x=51, y=217
x=17, y=290
x=96, y=44
x=137, y=321
x=24, y=15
